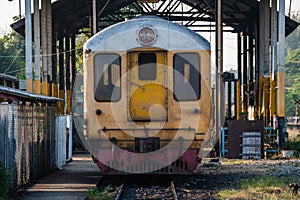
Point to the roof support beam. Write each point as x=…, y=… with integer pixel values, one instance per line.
x=264, y=37
x=37, y=48
x=273, y=70
x=245, y=74
x=28, y=38
x=49, y=46
x=264, y=61
x=95, y=17
x=220, y=100
x=46, y=40
x=281, y=88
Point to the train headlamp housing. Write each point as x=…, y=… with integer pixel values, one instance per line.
x=146, y=35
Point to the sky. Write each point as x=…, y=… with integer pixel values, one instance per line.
x=8, y=9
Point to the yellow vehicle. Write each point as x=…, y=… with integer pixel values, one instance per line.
x=146, y=97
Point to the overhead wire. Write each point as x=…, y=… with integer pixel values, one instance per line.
x=17, y=56
x=12, y=62
x=41, y=55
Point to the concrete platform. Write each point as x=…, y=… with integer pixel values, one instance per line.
x=70, y=183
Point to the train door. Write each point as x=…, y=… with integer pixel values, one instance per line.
x=147, y=95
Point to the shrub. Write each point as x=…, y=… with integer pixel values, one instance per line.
x=4, y=180
x=94, y=194
x=293, y=144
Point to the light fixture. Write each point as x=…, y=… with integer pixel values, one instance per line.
x=146, y=35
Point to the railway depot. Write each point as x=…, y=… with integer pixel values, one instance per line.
x=154, y=97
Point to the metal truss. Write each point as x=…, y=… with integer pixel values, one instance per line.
x=184, y=12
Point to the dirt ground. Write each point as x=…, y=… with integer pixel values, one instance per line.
x=210, y=177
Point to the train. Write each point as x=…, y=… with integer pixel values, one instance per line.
x=146, y=97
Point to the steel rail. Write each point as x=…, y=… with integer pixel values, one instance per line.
x=173, y=191
x=120, y=192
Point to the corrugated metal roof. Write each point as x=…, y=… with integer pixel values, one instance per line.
x=70, y=16
x=8, y=77
x=16, y=94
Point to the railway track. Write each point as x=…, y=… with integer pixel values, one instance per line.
x=159, y=191
x=139, y=187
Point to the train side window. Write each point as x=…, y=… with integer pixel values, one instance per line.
x=147, y=66
x=107, y=75
x=186, y=76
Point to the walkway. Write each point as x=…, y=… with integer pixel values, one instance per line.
x=70, y=183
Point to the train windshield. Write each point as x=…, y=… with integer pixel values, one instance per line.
x=107, y=74
x=147, y=66
x=186, y=76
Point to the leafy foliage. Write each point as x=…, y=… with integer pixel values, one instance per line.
x=80, y=40
x=293, y=144
x=4, y=178
x=93, y=193
x=292, y=42
x=292, y=70
x=292, y=81
x=12, y=55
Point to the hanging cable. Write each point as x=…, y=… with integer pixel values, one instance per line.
x=62, y=52
x=12, y=62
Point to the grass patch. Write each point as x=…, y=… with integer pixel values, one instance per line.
x=94, y=194
x=294, y=145
x=4, y=180
x=263, y=188
x=236, y=162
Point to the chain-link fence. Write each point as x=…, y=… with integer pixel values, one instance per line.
x=8, y=138
x=29, y=136
x=60, y=150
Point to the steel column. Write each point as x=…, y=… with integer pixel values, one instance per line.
x=273, y=70
x=49, y=45
x=61, y=75
x=245, y=74
x=95, y=17
x=281, y=76
x=264, y=61
x=220, y=101
x=45, y=87
x=37, y=48
x=239, y=57
x=73, y=63
x=28, y=40
x=251, y=69
x=54, y=62
x=67, y=64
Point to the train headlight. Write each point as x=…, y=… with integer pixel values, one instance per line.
x=146, y=35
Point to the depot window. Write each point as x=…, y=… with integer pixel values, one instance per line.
x=147, y=66
x=186, y=76
x=107, y=74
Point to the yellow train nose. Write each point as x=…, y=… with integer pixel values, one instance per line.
x=147, y=103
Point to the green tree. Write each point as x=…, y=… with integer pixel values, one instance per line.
x=292, y=42
x=292, y=81
x=12, y=55
x=80, y=40
x=292, y=70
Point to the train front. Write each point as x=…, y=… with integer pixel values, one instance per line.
x=147, y=100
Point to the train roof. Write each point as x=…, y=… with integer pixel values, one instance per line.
x=123, y=36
